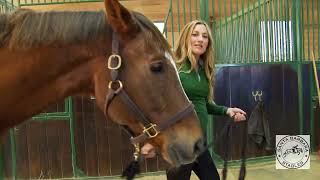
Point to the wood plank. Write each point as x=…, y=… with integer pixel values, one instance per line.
x=103, y=150
x=115, y=145
x=64, y=153
x=90, y=137
x=36, y=150
x=7, y=156
x=79, y=133
x=53, y=145
x=22, y=152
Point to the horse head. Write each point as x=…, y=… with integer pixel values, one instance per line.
x=146, y=74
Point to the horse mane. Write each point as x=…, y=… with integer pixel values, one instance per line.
x=25, y=28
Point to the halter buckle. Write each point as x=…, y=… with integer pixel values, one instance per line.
x=119, y=86
x=151, y=131
x=113, y=57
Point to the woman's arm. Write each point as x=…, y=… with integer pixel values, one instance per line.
x=235, y=113
x=215, y=109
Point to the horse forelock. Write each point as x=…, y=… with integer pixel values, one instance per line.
x=28, y=29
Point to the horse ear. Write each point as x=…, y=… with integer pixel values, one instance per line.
x=120, y=19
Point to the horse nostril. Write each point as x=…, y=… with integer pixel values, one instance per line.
x=199, y=146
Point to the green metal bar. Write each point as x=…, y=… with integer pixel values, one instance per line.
x=250, y=38
x=72, y=141
x=190, y=10
x=184, y=12
x=212, y=10
x=13, y=154
x=271, y=31
x=308, y=29
x=266, y=31
x=246, y=37
x=237, y=33
x=313, y=33
x=253, y=30
x=287, y=18
x=204, y=13
x=297, y=12
x=282, y=20
x=259, y=28
x=243, y=33
x=302, y=50
x=220, y=33
x=49, y=118
x=226, y=39
x=172, y=27
x=66, y=107
x=277, y=40
x=232, y=45
x=246, y=10
x=178, y=12
x=318, y=12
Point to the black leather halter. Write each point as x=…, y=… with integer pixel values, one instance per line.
x=150, y=130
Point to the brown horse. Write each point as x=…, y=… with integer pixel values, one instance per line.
x=47, y=56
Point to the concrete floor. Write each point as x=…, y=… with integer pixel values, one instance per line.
x=264, y=171
x=256, y=171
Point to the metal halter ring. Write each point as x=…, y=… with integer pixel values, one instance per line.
x=120, y=86
x=154, y=132
x=111, y=57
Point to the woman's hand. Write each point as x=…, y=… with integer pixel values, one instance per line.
x=148, y=150
x=237, y=114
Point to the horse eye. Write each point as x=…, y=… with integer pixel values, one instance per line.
x=156, y=67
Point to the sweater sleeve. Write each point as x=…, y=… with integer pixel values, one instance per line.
x=215, y=109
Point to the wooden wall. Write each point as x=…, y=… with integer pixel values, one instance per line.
x=43, y=148
x=154, y=9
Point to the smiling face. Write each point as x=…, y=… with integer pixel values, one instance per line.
x=199, y=40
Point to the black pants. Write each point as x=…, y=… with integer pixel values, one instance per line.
x=203, y=167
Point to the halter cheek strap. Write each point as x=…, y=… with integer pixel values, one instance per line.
x=115, y=88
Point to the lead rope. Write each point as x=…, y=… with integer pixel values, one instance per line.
x=242, y=172
x=133, y=168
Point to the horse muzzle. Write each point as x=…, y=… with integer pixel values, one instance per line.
x=180, y=153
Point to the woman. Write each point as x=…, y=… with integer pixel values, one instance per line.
x=194, y=58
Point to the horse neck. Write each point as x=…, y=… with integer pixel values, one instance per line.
x=42, y=76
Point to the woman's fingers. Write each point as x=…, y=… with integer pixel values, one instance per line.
x=148, y=150
x=239, y=117
x=238, y=110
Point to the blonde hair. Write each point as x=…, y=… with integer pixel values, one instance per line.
x=183, y=53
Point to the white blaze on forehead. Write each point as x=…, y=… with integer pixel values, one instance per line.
x=168, y=56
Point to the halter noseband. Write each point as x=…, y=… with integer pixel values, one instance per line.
x=115, y=86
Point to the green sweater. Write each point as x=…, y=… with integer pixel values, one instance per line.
x=197, y=89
